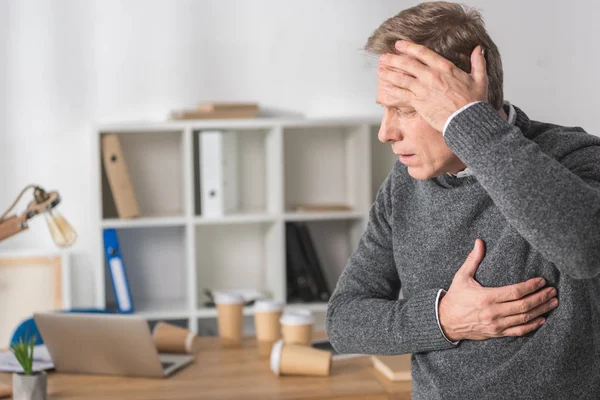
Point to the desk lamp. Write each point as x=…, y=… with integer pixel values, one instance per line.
x=43, y=203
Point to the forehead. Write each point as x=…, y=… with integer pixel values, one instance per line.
x=384, y=98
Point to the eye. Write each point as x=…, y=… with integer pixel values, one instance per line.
x=406, y=114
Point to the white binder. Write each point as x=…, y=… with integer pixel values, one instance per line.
x=218, y=173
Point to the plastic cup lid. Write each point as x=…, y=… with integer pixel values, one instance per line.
x=297, y=317
x=267, y=306
x=276, y=356
x=299, y=311
x=228, y=298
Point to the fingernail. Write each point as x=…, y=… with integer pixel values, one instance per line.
x=388, y=88
x=553, y=293
x=541, y=283
x=543, y=322
x=383, y=58
x=553, y=302
x=398, y=44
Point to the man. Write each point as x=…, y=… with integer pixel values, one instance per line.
x=489, y=222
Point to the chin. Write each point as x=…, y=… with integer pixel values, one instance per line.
x=420, y=175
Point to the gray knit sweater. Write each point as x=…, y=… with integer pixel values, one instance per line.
x=534, y=199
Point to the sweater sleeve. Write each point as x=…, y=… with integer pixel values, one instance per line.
x=364, y=314
x=554, y=205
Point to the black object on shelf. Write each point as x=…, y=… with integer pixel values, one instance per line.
x=315, y=267
x=304, y=275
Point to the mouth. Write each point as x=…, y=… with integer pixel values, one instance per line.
x=405, y=157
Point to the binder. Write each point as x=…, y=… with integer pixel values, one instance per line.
x=218, y=173
x=300, y=284
x=313, y=263
x=116, y=268
x=118, y=177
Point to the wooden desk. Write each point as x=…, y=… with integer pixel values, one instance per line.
x=222, y=373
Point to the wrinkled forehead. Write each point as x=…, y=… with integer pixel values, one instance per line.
x=385, y=99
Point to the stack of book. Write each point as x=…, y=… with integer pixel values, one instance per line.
x=304, y=274
x=217, y=111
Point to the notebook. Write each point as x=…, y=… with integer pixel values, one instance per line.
x=395, y=368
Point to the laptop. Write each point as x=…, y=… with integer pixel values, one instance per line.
x=105, y=344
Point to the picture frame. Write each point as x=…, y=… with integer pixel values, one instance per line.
x=31, y=281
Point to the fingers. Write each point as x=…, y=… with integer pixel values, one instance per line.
x=526, y=303
x=523, y=318
x=396, y=78
x=404, y=63
x=479, y=67
x=524, y=329
x=399, y=95
x=471, y=264
x=424, y=55
x=516, y=291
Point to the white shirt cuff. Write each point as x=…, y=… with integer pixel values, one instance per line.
x=455, y=114
x=437, y=316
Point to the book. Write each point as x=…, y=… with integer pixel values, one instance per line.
x=118, y=177
x=312, y=261
x=116, y=268
x=218, y=153
x=225, y=106
x=394, y=368
x=217, y=114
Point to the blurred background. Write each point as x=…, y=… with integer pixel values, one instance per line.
x=68, y=65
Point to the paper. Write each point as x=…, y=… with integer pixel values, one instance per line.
x=41, y=360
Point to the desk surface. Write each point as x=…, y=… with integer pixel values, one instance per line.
x=232, y=373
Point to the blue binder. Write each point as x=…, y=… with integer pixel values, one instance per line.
x=118, y=275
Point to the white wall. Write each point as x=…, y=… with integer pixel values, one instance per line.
x=67, y=64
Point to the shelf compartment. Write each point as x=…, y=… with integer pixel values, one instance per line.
x=334, y=241
x=382, y=161
x=153, y=163
x=252, y=184
x=239, y=256
x=154, y=260
x=325, y=166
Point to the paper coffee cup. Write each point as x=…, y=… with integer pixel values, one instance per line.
x=266, y=320
x=169, y=338
x=264, y=349
x=297, y=326
x=292, y=359
x=230, y=307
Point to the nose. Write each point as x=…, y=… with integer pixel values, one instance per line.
x=389, y=131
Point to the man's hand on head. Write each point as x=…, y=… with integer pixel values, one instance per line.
x=431, y=84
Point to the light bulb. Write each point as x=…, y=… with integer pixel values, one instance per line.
x=62, y=233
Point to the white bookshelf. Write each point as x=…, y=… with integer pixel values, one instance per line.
x=172, y=252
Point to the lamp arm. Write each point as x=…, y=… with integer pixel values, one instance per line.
x=16, y=201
